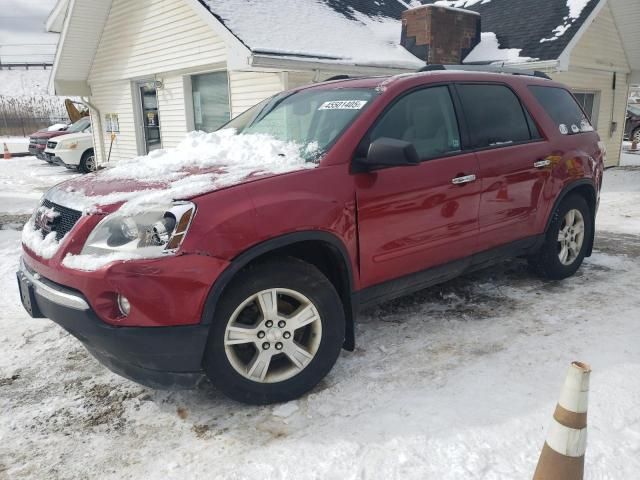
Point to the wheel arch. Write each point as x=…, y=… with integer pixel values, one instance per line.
x=586, y=189
x=90, y=149
x=321, y=249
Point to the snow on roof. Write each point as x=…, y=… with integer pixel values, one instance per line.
x=356, y=32
x=539, y=29
x=489, y=49
x=16, y=83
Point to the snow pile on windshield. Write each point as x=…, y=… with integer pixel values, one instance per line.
x=201, y=163
x=238, y=155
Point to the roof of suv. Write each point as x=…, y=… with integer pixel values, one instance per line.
x=432, y=76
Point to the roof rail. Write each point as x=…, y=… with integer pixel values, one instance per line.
x=337, y=77
x=486, y=68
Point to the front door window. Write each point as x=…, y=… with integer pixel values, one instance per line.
x=150, y=117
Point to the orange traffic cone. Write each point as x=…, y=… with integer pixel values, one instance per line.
x=7, y=153
x=562, y=456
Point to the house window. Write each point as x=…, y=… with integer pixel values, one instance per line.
x=210, y=100
x=589, y=102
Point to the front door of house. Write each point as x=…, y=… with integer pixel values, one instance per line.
x=149, y=118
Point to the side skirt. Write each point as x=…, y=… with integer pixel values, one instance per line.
x=414, y=282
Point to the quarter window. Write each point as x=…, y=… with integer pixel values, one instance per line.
x=426, y=118
x=494, y=115
x=210, y=100
x=588, y=101
x=563, y=109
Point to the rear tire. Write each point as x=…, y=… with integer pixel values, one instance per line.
x=566, y=241
x=88, y=162
x=260, y=358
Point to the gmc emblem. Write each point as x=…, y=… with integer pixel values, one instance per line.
x=45, y=219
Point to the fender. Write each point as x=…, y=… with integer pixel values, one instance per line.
x=242, y=260
x=567, y=189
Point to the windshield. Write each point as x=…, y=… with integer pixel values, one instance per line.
x=311, y=118
x=80, y=126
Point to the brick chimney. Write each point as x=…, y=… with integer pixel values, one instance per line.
x=440, y=35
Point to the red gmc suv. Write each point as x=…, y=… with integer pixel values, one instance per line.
x=253, y=276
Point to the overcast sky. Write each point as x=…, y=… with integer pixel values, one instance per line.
x=22, y=34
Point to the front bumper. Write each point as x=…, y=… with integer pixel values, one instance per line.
x=158, y=357
x=63, y=157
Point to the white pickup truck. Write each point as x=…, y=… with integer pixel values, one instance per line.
x=74, y=151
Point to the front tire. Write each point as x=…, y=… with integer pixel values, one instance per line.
x=566, y=240
x=88, y=162
x=635, y=135
x=277, y=331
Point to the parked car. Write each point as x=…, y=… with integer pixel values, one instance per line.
x=632, y=126
x=418, y=179
x=38, y=140
x=74, y=151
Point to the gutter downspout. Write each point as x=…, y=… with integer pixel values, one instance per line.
x=92, y=107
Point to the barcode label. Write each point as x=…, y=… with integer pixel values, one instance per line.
x=343, y=105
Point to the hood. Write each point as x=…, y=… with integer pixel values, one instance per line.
x=47, y=134
x=74, y=136
x=202, y=163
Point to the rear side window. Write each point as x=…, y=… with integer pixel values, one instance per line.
x=426, y=118
x=494, y=115
x=563, y=109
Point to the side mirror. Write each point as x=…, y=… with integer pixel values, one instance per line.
x=389, y=152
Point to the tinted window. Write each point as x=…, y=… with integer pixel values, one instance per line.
x=494, y=115
x=587, y=102
x=563, y=109
x=425, y=118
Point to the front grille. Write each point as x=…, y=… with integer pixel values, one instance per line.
x=64, y=222
x=41, y=141
x=52, y=145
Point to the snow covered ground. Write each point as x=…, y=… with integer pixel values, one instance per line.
x=455, y=382
x=23, y=180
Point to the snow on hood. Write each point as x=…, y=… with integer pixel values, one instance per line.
x=201, y=163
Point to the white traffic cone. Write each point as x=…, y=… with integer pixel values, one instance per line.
x=562, y=456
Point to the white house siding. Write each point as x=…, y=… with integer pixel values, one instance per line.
x=173, y=118
x=596, y=57
x=150, y=39
x=249, y=88
x=115, y=97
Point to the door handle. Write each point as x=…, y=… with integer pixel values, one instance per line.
x=463, y=179
x=542, y=163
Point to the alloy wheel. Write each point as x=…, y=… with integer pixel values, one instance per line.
x=273, y=335
x=570, y=237
x=90, y=164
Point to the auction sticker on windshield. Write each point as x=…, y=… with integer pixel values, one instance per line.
x=343, y=105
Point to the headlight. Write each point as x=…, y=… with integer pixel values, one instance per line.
x=69, y=145
x=154, y=232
